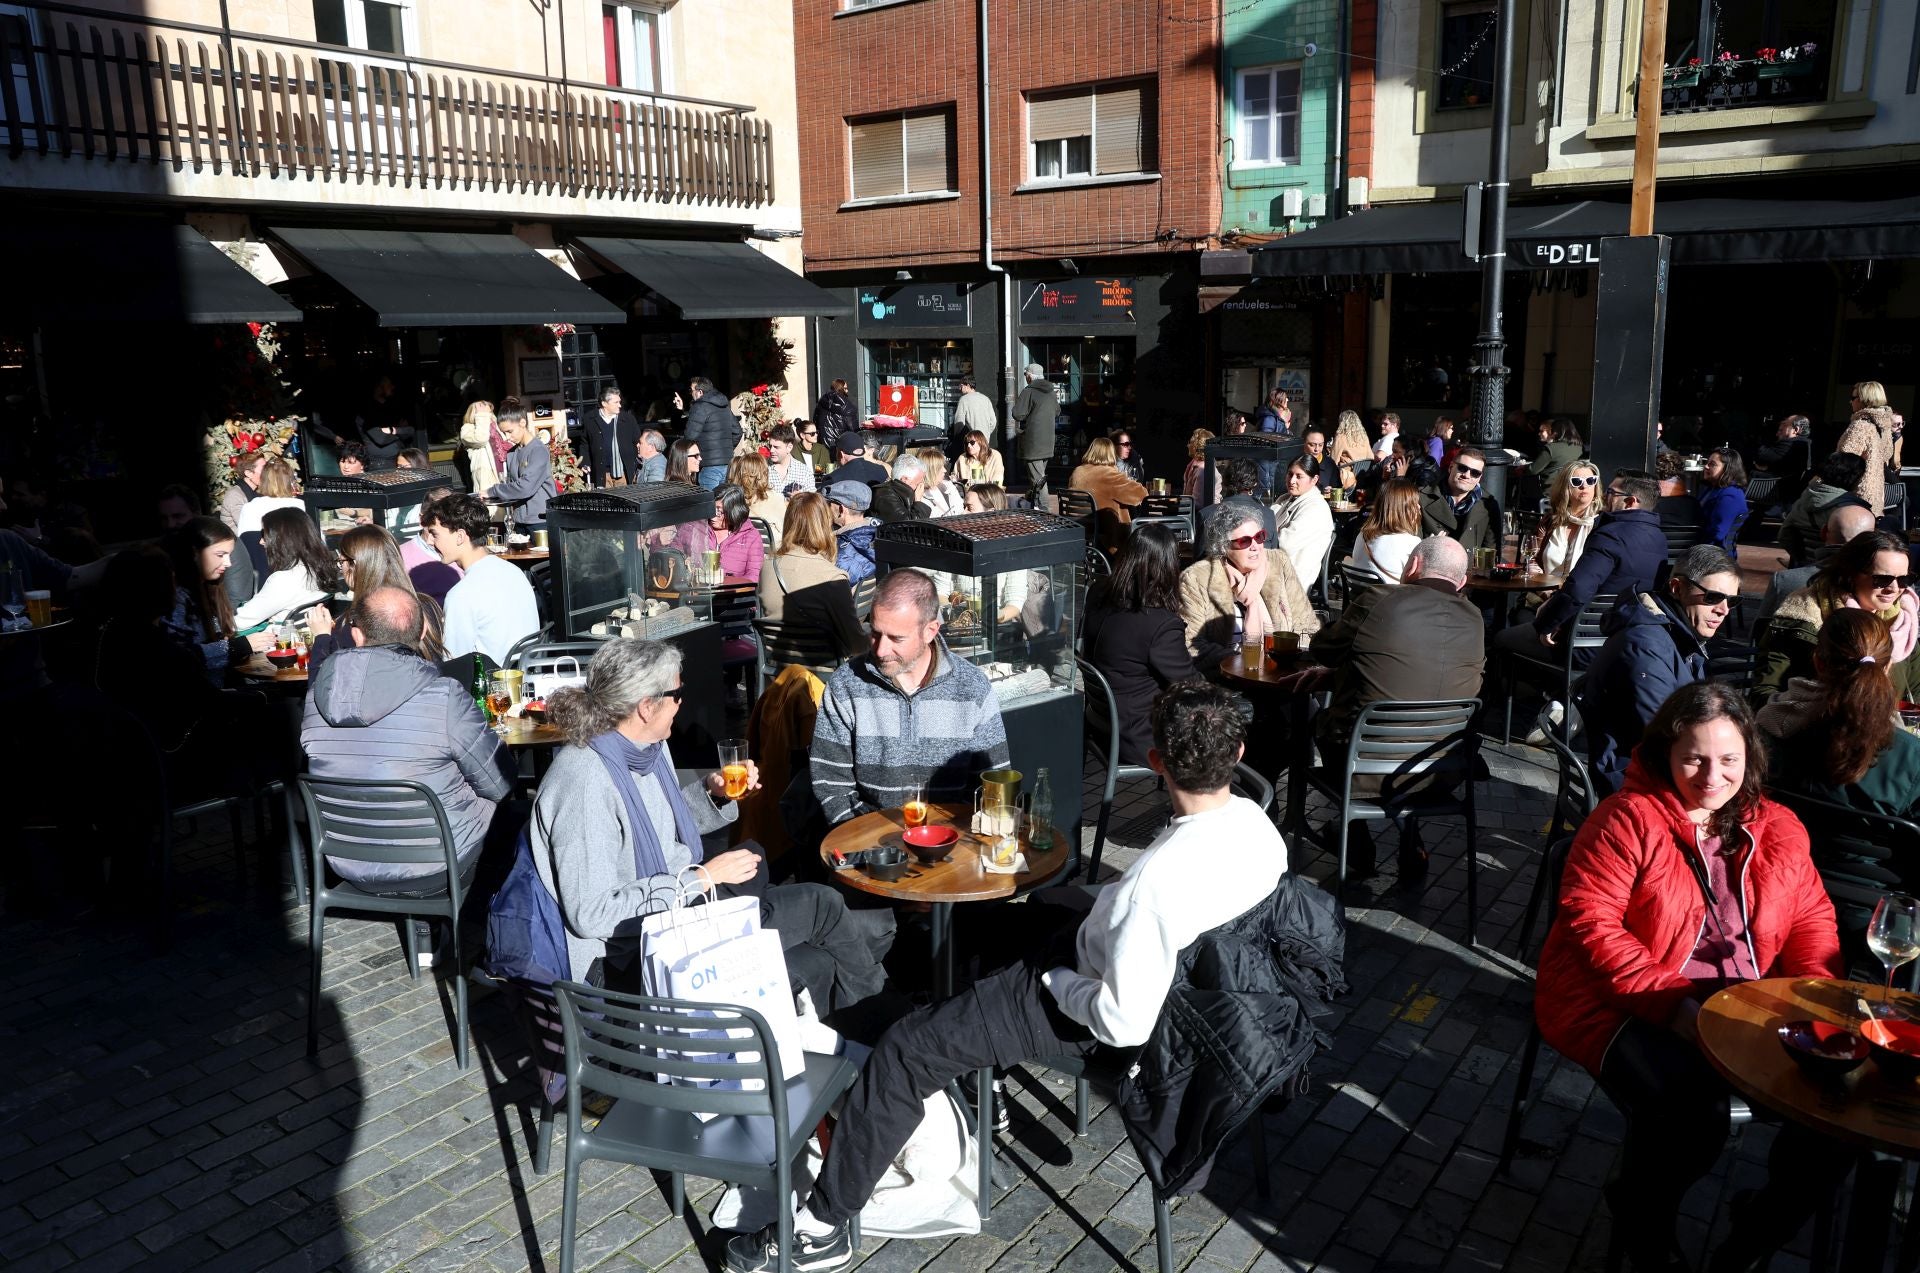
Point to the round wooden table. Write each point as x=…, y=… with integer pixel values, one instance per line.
x=258, y=669
x=1865, y=1108
x=1509, y=590
x=960, y=878
x=544, y=734
x=1285, y=675
x=525, y=556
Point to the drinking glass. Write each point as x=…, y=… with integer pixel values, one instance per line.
x=713, y=567
x=1252, y=650
x=915, y=809
x=13, y=598
x=733, y=766
x=1893, y=935
x=39, y=607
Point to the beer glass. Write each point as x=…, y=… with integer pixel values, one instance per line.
x=733, y=766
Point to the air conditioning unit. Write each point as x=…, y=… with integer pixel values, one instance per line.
x=1316, y=205
x=1292, y=202
x=1359, y=192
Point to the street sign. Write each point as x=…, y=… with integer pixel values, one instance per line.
x=1563, y=254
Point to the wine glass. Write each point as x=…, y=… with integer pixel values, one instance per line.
x=1893, y=935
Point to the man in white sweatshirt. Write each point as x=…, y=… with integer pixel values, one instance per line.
x=1220, y=858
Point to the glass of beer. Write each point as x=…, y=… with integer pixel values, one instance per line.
x=1252, y=651
x=915, y=810
x=713, y=567
x=733, y=766
x=39, y=607
x=1159, y=486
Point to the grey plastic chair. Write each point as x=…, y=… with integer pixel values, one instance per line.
x=1551, y=867
x=1103, y=742
x=387, y=823
x=1397, y=740
x=1558, y=662
x=1572, y=803
x=784, y=645
x=616, y=1043
x=765, y=528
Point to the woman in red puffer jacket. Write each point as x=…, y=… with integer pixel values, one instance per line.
x=1684, y=881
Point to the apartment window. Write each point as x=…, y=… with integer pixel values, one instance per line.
x=1269, y=116
x=1720, y=56
x=378, y=26
x=1091, y=132
x=903, y=154
x=1466, y=54
x=632, y=38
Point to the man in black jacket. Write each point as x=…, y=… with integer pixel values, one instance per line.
x=1105, y=987
x=899, y=499
x=1458, y=508
x=851, y=451
x=613, y=442
x=1624, y=554
x=712, y=425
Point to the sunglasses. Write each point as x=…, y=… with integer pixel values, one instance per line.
x=1464, y=471
x=1583, y=481
x=677, y=693
x=1240, y=543
x=1709, y=597
x=1887, y=581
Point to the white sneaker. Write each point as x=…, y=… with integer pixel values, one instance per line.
x=1550, y=717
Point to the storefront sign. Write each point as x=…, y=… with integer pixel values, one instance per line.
x=1077, y=301
x=1564, y=255
x=913, y=305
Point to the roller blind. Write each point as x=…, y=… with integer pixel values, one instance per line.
x=1121, y=130
x=877, y=167
x=926, y=142
x=1060, y=116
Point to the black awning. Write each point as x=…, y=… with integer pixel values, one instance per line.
x=1425, y=238
x=413, y=278
x=716, y=280
x=129, y=272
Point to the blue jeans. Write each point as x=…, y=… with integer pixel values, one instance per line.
x=712, y=476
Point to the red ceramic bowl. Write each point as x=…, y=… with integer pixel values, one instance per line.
x=1896, y=1046
x=282, y=659
x=1824, y=1050
x=930, y=843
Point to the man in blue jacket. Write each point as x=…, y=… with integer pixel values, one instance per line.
x=1623, y=554
x=1656, y=642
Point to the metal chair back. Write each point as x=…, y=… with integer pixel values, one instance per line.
x=1248, y=782
x=1355, y=579
x=1736, y=667
x=784, y=645
x=1078, y=505
x=765, y=528
x=863, y=595
x=544, y=658
x=1405, y=738
x=1861, y=857
x=1103, y=741
x=1182, y=506
x=526, y=643
x=735, y=609
x=1553, y=864
x=1182, y=527
x=1680, y=539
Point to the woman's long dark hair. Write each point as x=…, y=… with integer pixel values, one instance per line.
x=1733, y=469
x=291, y=540
x=206, y=602
x=1147, y=576
x=1698, y=704
x=677, y=461
x=1857, y=700
x=1855, y=558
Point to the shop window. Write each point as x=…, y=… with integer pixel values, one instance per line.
x=1466, y=54
x=903, y=154
x=1720, y=56
x=631, y=39
x=17, y=30
x=1269, y=108
x=1091, y=132
x=1094, y=378
x=585, y=370
x=377, y=26
x=932, y=367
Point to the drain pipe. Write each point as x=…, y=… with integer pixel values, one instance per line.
x=1005, y=281
x=1338, y=202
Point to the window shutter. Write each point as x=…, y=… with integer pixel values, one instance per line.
x=877, y=165
x=1120, y=139
x=1061, y=116
x=926, y=141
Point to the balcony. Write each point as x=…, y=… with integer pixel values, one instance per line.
x=181, y=110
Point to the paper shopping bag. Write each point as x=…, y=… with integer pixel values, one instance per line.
x=542, y=686
x=748, y=972
x=667, y=937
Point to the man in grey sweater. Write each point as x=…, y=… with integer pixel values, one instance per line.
x=906, y=715
x=526, y=479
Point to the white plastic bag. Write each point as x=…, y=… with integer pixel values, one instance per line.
x=542, y=686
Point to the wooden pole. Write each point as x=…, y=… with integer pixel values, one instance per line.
x=1646, y=135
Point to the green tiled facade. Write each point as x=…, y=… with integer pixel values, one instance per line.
x=1268, y=33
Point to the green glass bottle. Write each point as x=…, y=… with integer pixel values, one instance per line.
x=1040, y=831
x=480, y=688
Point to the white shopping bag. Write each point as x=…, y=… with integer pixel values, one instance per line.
x=669, y=936
x=542, y=686
x=748, y=972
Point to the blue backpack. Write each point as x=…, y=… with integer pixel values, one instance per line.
x=526, y=938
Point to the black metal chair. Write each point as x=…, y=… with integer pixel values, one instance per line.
x=1079, y=506
x=1736, y=666
x=734, y=610
x=784, y=645
x=1182, y=506
x=1355, y=580
x=1681, y=540
x=391, y=822
x=525, y=643
x=1861, y=857
x=1572, y=802
x=617, y=1044
x=1182, y=527
x=1552, y=864
x=1558, y=662
x=765, y=528
x=1103, y=742
x=863, y=595
x=1427, y=745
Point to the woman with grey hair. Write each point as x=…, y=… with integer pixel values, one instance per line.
x=1242, y=589
x=616, y=835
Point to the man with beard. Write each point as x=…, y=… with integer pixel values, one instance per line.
x=907, y=715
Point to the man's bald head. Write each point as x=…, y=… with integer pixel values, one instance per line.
x=1437, y=558
x=389, y=616
x=1848, y=523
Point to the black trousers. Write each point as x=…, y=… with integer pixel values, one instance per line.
x=1676, y=1113
x=1001, y=1020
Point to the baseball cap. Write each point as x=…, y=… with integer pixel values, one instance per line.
x=852, y=442
x=1035, y=369
x=855, y=495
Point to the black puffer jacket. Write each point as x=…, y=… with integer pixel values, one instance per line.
x=1237, y=1028
x=713, y=426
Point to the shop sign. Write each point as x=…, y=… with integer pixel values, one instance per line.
x=913, y=305
x=1563, y=254
x=1077, y=301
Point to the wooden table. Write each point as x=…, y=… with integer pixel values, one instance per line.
x=958, y=879
x=258, y=669
x=1509, y=590
x=1285, y=676
x=525, y=556
x=1865, y=1109
x=544, y=734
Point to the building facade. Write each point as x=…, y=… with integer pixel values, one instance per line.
x=1044, y=204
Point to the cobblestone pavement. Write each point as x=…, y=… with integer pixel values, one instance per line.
x=159, y=1111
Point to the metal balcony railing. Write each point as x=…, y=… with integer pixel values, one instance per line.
x=86, y=83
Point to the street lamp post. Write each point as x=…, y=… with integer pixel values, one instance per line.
x=1490, y=347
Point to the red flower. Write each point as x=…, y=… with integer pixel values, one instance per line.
x=1728, y=55
x=256, y=328
x=759, y=389
x=1693, y=61
x=1766, y=55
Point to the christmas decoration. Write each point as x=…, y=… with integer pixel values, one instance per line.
x=759, y=411
x=260, y=408
x=568, y=473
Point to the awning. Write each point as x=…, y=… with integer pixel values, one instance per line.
x=413, y=278
x=716, y=280
x=129, y=272
x=1425, y=238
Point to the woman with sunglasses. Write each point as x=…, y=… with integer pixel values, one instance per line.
x=1836, y=735
x=980, y=464
x=1572, y=510
x=1656, y=642
x=1723, y=496
x=1868, y=573
x=1689, y=878
x=811, y=448
x=1240, y=589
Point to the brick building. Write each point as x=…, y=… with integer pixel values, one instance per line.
x=1103, y=181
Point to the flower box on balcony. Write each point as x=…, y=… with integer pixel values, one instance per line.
x=1688, y=78
x=1798, y=69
